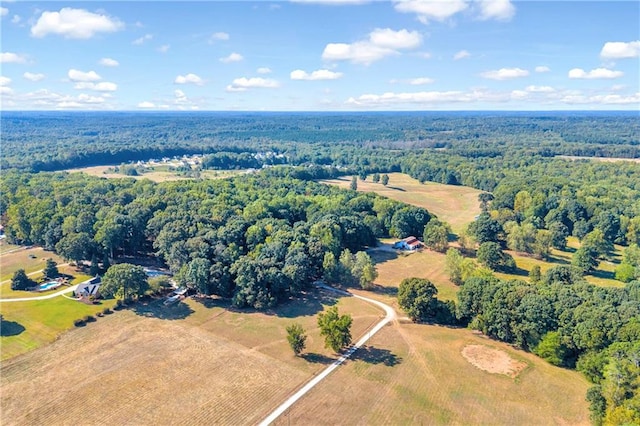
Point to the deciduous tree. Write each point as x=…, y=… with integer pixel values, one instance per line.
x=336, y=329
x=296, y=338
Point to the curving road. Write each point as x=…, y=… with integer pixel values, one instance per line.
x=46, y=296
x=390, y=316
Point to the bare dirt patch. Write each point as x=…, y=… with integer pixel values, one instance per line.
x=492, y=360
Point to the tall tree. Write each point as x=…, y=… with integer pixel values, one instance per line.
x=354, y=183
x=336, y=329
x=124, y=281
x=417, y=297
x=20, y=280
x=51, y=269
x=385, y=179
x=296, y=338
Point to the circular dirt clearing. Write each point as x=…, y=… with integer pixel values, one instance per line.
x=492, y=360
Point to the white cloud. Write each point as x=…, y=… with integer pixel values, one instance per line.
x=505, y=74
x=604, y=73
x=75, y=75
x=234, y=57
x=539, y=89
x=5, y=90
x=4, y=81
x=33, y=77
x=420, y=81
x=402, y=39
x=74, y=23
x=315, y=75
x=264, y=70
x=500, y=10
x=103, y=86
x=146, y=104
x=381, y=43
x=461, y=55
x=3, y=11
x=242, y=84
x=16, y=19
x=542, y=68
x=45, y=99
x=10, y=57
x=426, y=10
x=189, y=78
x=142, y=40
x=219, y=36
x=425, y=55
x=108, y=62
x=164, y=48
x=620, y=50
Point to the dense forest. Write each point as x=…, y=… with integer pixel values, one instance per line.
x=261, y=239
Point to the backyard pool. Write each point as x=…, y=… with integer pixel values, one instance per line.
x=154, y=273
x=48, y=286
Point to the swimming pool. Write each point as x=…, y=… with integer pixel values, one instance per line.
x=154, y=273
x=48, y=286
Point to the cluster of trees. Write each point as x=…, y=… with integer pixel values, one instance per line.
x=257, y=239
x=335, y=328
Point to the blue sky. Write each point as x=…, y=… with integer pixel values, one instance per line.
x=309, y=55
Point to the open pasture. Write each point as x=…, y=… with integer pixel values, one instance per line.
x=192, y=363
x=158, y=174
x=417, y=374
x=456, y=205
x=30, y=259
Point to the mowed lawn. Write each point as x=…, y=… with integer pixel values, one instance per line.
x=192, y=363
x=415, y=374
x=30, y=259
x=456, y=205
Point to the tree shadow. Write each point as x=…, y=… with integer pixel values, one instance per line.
x=306, y=304
x=157, y=309
x=603, y=274
x=396, y=188
x=317, y=358
x=517, y=271
x=10, y=328
x=381, y=256
x=373, y=355
x=389, y=291
x=213, y=302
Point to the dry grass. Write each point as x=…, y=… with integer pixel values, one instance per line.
x=31, y=260
x=416, y=374
x=161, y=174
x=600, y=159
x=193, y=363
x=456, y=205
x=394, y=266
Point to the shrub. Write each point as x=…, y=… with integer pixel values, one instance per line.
x=79, y=323
x=89, y=318
x=107, y=311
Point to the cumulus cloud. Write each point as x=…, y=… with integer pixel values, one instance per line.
x=4, y=81
x=3, y=11
x=233, y=57
x=500, y=10
x=164, y=48
x=461, y=55
x=103, y=86
x=75, y=75
x=48, y=100
x=108, y=62
x=315, y=75
x=146, y=104
x=598, y=73
x=16, y=19
x=33, y=77
x=142, y=40
x=219, y=36
x=10, y=57
x=264, y=70
x=620, y=50
x=505, y=74
x=242, y=84
x=189, y=78
x=542, y=68
x=426, y=10
x=74, y=23
x=382, y=42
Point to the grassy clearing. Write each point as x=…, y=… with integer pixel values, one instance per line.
x=416, y=374
x=6, y=247
x=158, y=174
x=31, y=260
x=192, y=363
x=457, y=205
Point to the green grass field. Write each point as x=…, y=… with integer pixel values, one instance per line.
x=158, y=174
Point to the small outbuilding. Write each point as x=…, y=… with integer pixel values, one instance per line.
x=409, y=243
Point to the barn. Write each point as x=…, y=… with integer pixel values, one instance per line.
x=409, y=243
